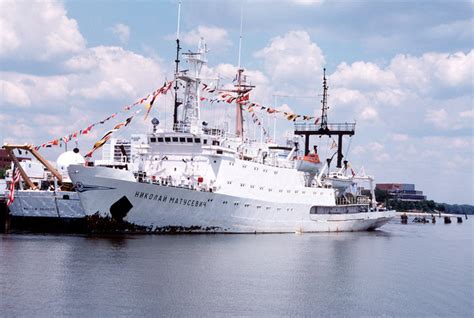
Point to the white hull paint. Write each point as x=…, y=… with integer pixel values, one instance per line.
x=159, y=208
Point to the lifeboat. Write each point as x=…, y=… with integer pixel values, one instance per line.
x=340, y=181
x=308, y=163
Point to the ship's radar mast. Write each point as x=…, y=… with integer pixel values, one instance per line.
x=192, y=98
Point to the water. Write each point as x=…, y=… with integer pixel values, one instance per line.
x=401, y=270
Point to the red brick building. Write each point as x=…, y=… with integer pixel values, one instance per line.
x=5, y=160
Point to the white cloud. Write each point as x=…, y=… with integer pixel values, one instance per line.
x=369, y=114
x=216, y=38
x=467, y=114
x=108, y=74
x=443, y=120
x=122, y=31
x=461, y=29
x=433, y=69
x=438, y=117
x=40, y=90
x=399, y=137
x=114, y=73
x=38, y=30
x=363, y=75
x=347, y=96
x=307, y=2
x=285, y=108
x=13, y=95
x=291, y=57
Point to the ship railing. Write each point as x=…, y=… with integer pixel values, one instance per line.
x=332, y=126
x=352, y=200
x=172, y=183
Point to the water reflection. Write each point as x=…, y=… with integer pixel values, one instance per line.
x=389, y=272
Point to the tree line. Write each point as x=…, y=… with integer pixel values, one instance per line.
x=423, y=205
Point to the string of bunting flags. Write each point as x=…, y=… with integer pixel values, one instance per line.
x=108, y=134
x=152, y=97
x=223, y=96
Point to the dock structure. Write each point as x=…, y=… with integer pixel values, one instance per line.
x=323, y=128
x=424, y=217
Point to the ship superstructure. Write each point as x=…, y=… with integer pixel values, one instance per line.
x=195, y=178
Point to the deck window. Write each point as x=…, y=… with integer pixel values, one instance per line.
x=175, y=139
x=189, y=139
x=182, y=139
x=167, y=139
x=160, y=139
x=152, y=139
x=197, y=140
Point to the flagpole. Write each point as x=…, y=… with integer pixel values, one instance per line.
x=274, y=118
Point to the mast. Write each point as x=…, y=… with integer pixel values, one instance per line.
x=178, y=48
x=325, y=129
x=240, y=36
x=239, y=120
x=324, y=108
x=192, y=78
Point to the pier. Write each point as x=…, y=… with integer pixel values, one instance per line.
x=430, y=217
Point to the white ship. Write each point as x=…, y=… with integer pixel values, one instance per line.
x=194, y=178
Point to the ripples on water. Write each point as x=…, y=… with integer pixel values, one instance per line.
x=400, y=270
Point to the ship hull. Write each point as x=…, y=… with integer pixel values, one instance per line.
x=157, y=208
x=47, y=204
x=46, y=211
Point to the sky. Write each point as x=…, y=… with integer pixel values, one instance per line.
x=403, y=70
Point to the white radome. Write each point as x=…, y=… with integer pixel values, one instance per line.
x=66, y=159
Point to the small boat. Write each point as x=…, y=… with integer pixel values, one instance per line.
x=309, y=163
